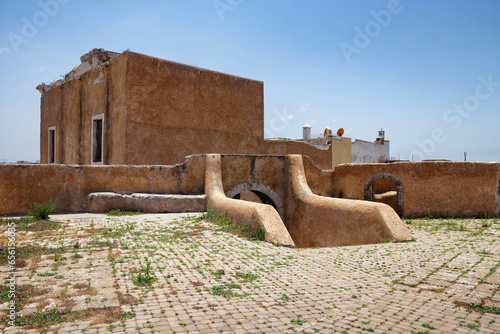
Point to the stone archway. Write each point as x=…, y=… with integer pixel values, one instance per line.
x=368, y=195
x=261, y=191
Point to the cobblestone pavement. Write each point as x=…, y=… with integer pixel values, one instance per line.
x=209, y=281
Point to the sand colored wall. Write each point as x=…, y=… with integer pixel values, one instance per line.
x=23, y=185
x=441, y=188
x=70, y=121
x=265, y=170
x=445, y=189
x=70, y=108
x=174, y=110
x=262, y=173
x=317, y=221
x=51, y=116
x=158, y=112
x=116, y=111
x=241, y=212
x=341, y=151
x=322, y=158
x=319, y=180
x=311, y=220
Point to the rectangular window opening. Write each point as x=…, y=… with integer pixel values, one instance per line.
x=97, y=139
x=52, y=145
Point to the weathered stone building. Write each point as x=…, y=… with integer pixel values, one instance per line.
x=133, y=109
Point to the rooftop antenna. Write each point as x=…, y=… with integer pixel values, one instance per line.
x=340, y=132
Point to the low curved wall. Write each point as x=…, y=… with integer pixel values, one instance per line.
x=242, y=212
x=317, y=221
x=319, y=180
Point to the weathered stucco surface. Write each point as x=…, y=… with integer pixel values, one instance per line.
x=187, y=110
x=70, y=107
x=322, y=158
x=23, y=185
x=319, y=180
x=444, y=189
x=157, y=112
x=366, y=152
x=291, y=184
x=242, y=212
x=311, y=220
x=317, y=221
x=290, y=213
x=145, y=202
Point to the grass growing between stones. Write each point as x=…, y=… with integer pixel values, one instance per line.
x=119, y=212
x=52, y=250
x=28, y=252
x=46, y=318
x=226, y=225
x=483, y=308
x=144, y=276
x=227, y=290
x=31, y=224
x=23, y=294
x=108, y=273
x=472, y=226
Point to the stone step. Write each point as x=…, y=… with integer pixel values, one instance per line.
x=146, y=202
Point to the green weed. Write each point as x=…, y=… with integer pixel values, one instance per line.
x=484, y=309
x=298, y=321
x=42, y=211
x=127, y=315
x=32, y=224
x=118, y=212
x=226, y=292
x=145, y=276
x=44, y=319
x=225, y=224
x=248, y=277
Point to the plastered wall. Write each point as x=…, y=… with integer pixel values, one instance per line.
x=174, y=110
x=341, y=151
x=367, y=152
x=70, y=107
x=158, y=112
x=445, y=189
x=23, y=185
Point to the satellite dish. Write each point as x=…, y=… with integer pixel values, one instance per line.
x=340, y=132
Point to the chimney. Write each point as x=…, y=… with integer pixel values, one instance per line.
x=306, y=132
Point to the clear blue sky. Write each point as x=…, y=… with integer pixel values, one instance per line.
x=425, y=71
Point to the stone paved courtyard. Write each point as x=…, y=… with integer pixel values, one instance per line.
x=91, y=275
